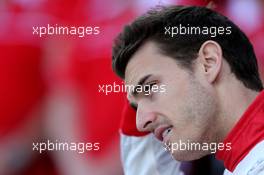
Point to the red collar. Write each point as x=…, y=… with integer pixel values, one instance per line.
x=247, y=132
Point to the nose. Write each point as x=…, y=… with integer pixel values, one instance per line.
x=145, y=120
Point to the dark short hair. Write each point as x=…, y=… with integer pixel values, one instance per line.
x=237, y=49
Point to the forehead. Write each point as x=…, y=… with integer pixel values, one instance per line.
x=148, y=60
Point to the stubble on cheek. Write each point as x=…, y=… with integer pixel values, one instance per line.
x=202, y=109
x=196, y=114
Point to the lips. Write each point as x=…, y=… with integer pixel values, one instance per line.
x=162, y=131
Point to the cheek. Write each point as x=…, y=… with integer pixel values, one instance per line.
x=188, y=105
x=200, y=106
x=171, y=104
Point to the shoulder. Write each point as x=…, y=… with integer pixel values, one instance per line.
x=253, y=163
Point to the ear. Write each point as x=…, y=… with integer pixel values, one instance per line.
x=210, y=58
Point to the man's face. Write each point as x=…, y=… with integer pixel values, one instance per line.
x=184, y=112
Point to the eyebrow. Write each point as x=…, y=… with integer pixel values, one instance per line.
x=140, y=83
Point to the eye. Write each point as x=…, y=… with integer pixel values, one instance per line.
x=148, y=87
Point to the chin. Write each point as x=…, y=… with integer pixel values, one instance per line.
x=188, y=155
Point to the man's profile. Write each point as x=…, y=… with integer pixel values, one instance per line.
x=214, y=93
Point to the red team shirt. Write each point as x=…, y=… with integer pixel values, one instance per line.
x=246, y=134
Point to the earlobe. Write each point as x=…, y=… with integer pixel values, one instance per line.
x=210, y=57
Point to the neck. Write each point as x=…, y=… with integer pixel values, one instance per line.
x=234, y=100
